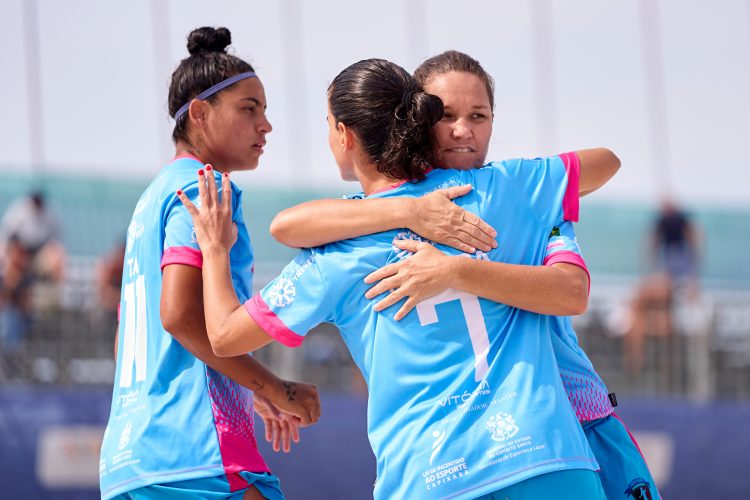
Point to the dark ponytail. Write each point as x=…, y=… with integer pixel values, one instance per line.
x=390, y=115
x=207, y=65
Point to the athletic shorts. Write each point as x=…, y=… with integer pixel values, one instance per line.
x=624, y=473
x=573, y=484
x=207, y=488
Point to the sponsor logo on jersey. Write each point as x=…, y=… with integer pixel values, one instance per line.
x=501, y=426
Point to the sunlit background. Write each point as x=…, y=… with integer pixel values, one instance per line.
x=663, y=83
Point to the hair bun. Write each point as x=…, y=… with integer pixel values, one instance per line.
x=207, y=39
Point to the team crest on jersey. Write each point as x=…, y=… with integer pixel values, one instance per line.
x=282, y=293
x=639, y=489
x=501, y=426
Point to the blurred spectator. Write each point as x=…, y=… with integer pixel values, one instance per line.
x=38, y=230
x=673, y=255
x=109, y=278
x=14, y=296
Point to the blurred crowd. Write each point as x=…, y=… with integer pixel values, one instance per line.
x=33, y=265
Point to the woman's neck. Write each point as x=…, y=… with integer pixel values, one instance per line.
x=372, y=180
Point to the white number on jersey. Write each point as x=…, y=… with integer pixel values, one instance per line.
x=480, y=341
x=133, y=341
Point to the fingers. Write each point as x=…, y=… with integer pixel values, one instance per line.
x=294, y=431
x=456, y=191
x=408, y=306
x=480, y=229
x=226, y=189
x=383, y=286
x=381, y=273
x=285, y=438
x=202, y=191
x=268, y=423
x=211, y=189
x=276, y=436
x=391, y=299
x=188, y=204
x=460, y=245
x=411, y=245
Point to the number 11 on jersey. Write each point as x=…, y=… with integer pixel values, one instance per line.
x=480, y=341
x=133, y=343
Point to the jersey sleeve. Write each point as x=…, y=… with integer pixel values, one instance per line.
x=547, y=185
x=180, y=242
x=562, y=247
x=294, y=302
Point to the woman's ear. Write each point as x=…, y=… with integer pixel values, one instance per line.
x=197, y=113
x=346, y=137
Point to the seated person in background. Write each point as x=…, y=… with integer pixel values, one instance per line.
x=674, y=251
x=38, y=231
x=14, y=296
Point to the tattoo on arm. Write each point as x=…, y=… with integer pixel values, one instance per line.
x=291, y=390
x=257, y=386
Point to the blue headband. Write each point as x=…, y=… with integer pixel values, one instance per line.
x=212, y=90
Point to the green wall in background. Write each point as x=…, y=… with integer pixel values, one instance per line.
x=95, y=214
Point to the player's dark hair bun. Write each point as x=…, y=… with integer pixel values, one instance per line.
x=207, y=39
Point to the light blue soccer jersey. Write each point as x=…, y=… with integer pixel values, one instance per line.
x=586, y=390
x=172, y=417
x=465, y=396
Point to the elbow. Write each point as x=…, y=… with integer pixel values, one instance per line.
x=280, y=229
x=578, y=297
x=612, y=160
x=226, y=343
x=172, y=319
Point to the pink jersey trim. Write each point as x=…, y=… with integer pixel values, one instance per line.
x=571, y=199
x=268, y=321
x=186, y=155
x=394, y=186
x=182, y=255
x=568, y=257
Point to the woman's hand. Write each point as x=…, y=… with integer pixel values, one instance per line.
x=420, y=276
x=213, y=221
x=437, y=218
x=282, y=429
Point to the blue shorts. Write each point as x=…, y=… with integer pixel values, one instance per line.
x=624, y=473
x=573, y=484
x=207, y=488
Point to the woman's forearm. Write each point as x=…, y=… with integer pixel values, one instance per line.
x=559, y=290
x=323, y=221
x=230, y=328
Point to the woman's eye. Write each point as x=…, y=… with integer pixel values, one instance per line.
x=447, y=116
x=478, y=116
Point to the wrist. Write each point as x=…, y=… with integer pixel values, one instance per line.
x=214, y=250
x=456, y=271
x=407, y=212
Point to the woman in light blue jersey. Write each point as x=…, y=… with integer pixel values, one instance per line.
x=447, y=418
x=560, y=287
x=181, y=422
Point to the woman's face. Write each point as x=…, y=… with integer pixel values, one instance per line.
x=236, y=126
x=463, y=134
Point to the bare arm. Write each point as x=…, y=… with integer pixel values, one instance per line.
x=598, y=166
x=432, y=216
x=559, y=290
x=182, y=316
x=231, y=330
